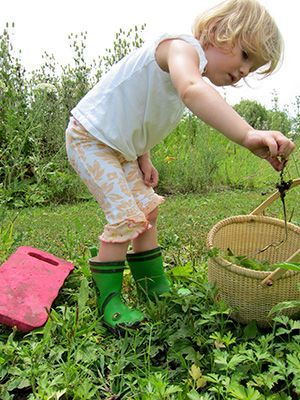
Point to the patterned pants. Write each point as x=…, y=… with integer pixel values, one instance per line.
x=116, y=184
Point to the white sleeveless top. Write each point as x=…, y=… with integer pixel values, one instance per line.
x=135, y=105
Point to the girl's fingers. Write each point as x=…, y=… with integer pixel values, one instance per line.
x=286, y=149
x=154, y=177
x=275, y=162
x=272, y=145
x=285, y=145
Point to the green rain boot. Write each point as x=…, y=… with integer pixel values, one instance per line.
x=147, y=270
x=108, y=277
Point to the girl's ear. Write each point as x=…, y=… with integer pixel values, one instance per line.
x=203, y=39
x=207, y=37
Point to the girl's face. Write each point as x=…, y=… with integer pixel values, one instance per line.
x=225, y=66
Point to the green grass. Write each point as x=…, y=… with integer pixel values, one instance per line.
x=61, y=228
x=67, y=230
x=189, y=348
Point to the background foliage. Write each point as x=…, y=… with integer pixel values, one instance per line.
x=34, y=112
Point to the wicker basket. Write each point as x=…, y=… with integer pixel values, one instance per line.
x=252, y=294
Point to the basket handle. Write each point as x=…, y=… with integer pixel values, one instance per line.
x=268, y=281
x=259, y=210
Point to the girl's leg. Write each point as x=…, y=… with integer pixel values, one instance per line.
x=112, y=252
x=146, y=263
x=100, y=169
x=147, y=201
x=148, y=239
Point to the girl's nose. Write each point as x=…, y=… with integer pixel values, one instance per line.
x=244, y=70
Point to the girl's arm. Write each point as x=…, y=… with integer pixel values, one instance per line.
x=181, y=60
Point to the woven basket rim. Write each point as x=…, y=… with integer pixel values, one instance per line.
x=222, y=262
x=250, y=273
x=251, y=218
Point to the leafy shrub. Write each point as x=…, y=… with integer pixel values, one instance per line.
x=34, y=112
x=279, y=121
x=253, y=112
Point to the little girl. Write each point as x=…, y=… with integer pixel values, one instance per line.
x=135, y=106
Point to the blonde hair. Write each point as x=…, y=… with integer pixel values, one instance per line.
x=246, y=23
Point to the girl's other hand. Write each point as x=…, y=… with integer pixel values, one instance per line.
x=150, y=173
x=273, y=146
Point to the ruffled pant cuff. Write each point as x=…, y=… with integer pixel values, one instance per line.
x=131, y=227
x=124, y=231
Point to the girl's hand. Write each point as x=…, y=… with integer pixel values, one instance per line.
x=150, y=174
x=273, y=146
